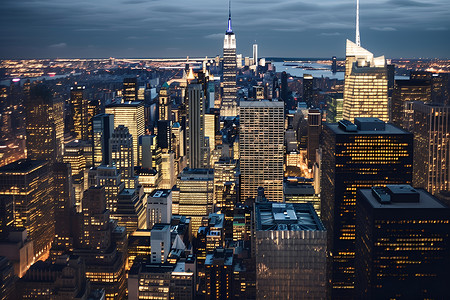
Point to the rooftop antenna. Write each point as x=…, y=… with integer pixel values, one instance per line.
x=229, y=29
x=358, y=39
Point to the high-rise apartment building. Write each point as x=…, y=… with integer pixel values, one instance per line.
x=431, y=147
x=229, y=104
x=79, y=105
x=30, y=186
x=356, y=156
x=131, y=115
x=261, y=148
x=402, y=237
x=366, y=85
x=291, y=251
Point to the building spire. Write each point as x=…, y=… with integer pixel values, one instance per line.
x=229, y=29
x=358, y=39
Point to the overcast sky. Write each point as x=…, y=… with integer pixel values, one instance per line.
x=176, y=28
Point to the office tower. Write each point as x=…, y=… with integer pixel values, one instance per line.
x=102, y=127
x=297, y=191
x=335, y=107
x=408, y=91
x=93, y=109
x=64, y=201
x=293, y=266
x=121, y=149
x=334, y=64
x=261, y=148
x=44, y=124
x=229, y=104
x=159, y=207
x=110, y=178
x=440, y=92
x=431, y=147
x=139, y=246
x=308, y=90
x=402, y=237
x=255, y=54
x=366, y=84
x=164, y=103
x=74, y=155
x=130, y=90
x=131, y=115
x=284, y=92
x=28, y=184
x=195, y=127
x=7, y=279
x=211, y=127
x=168, y=175
x=355, y=156
x=79, y=104
x=196, y=195
x=64, y=279
x=105, y=265
x=165, y=135
x=314, y=129
x=224, y=171
x=219, y=274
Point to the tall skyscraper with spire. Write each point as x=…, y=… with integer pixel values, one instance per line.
x=366, y=81
x=229, y=103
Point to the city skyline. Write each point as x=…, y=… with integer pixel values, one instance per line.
x=136, y=28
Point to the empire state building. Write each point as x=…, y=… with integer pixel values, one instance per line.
x=229, y=104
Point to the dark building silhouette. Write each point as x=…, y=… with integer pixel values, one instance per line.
x=334, y=64
x=402, y=237
x=355, y=156
x=130, y=89
x=308, y=89
x=314, y=129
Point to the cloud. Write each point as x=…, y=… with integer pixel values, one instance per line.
x=330, y=33
x=437, y=29
x=387, y=28
x=59, y=45
x=214, y=36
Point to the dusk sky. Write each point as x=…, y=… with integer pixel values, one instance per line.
x=177, y=28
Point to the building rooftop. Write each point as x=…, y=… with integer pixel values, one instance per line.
x=261, y=103
x=287, y=217
x=366, y=126
x=126, y=104
x=400, y=196
x=22, y=166
x=160, y=193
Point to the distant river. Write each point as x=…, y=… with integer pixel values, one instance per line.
x=315, y=69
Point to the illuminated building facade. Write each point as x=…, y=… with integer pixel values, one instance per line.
x=308, y=90
x=79, y=104
x=219, y=274
x=121, y=149
x=159, y=207
x=73, y=155
x=291, y=251
x=295, y=191
x=314, y=129
x=408, y=91
x=111, y=180
x=335, y=107
x=224, y=171
x=366, y=85
x=229, y=104
x=165, y=105
x=130, y=115
x=44, y=125
x=355, y=156
x=196, y=195
x=402, y=237
x=29, y=184
x=261, y=148
x=431, y=147
x=130, y=89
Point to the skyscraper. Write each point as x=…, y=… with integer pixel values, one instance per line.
x=402, y=237
x=308, y=89
x=131, y=115
x=102, y=128
x=164, y=103
x=356, y=156
x=431, y=147
x=255, y=54
x=229, y=103
x=366, y=85
x=29, y=184
x=195, y=127
x=314, y=129
x=130, y=89
x=261, y=148
x=121, y=148
x=79, y=104
x=44, y=124
x=334, y=64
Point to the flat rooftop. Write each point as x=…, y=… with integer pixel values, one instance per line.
x=287, y=217
x=368, y=126
x=400, y=196
x=22, y=166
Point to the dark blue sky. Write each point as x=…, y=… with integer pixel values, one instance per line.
x=176, y=28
